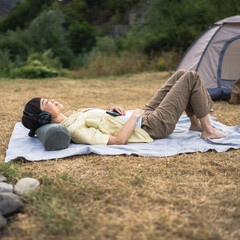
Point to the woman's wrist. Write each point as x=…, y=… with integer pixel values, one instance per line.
x=138, y=113
x=134, y=117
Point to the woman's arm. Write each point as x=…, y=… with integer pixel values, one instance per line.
x=123, y=135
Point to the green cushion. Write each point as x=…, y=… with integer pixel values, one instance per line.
x=54, y=136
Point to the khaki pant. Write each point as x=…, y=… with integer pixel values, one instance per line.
x=184, y=91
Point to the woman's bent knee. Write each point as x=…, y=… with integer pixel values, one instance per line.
x=181, y=71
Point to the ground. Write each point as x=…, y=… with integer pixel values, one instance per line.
x=188, y=196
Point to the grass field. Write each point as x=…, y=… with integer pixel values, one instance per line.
x=189, y=196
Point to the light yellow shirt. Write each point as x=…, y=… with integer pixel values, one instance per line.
x=93, y=126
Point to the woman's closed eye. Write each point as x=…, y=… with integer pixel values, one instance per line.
x=45, y=101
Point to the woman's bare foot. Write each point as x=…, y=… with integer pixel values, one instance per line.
x=194, y=127
x=195, y=124
x=199, y=128
x=213, y=134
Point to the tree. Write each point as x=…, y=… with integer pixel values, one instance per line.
x=23, y=13
x=76, y=10
x=82, y=37
x=14, y=46
x=48, y=33
x=175, y=23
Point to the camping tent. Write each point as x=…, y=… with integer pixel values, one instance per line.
x=215, y=55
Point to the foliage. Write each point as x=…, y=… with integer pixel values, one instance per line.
x=14, y=45
x=176, y=23
x=34, y=70
x=23, y=13
x=39, y=66
x=104, y=64
x=105, y=44
x=167, y=61
x=47, y=59
x=78, y=32
x=47, y=32
x=75, y=11
x=96, y=11
x=5, y=62
x=82, y=37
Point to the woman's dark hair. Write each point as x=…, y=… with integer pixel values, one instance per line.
x=31, y=108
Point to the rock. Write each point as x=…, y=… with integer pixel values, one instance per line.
x=5, y=187
x=120, y=30
x=2, y=178
x=3, y=221
x=6, y=6
x=26, y=185
x=136, y=14
x=9, y=203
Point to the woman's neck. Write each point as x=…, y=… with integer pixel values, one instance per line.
x=59, y=118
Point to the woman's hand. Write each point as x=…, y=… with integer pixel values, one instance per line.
x=139, y=113
x=119, y=110
x=123, y=135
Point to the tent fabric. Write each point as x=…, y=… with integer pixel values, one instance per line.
x=230, y=63
x=215, y=55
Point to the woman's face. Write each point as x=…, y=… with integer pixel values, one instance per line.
x=50, y=105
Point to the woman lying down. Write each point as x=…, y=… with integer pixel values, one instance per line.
x=184, y=91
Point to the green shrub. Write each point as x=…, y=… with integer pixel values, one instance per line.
x=5, y=62
x=19, y=62
x=167, y=61
x=46, y=58
x=131, y=43
x=14, y=45
x=105, y=44
x=81, y=60
x=39, y=66
x=33, y=71
x=161, y=64
x=47, y=32
x=82, y=37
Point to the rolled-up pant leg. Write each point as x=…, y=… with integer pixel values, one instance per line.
x=187, y=94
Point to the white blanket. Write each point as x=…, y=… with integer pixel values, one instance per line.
x=180, y=141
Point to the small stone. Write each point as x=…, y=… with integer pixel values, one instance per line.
x=2, y=178
x=26, y=185
x=6, y=187
x=3, y=221
x=9, y=203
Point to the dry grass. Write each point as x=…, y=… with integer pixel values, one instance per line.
x=189, y=196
